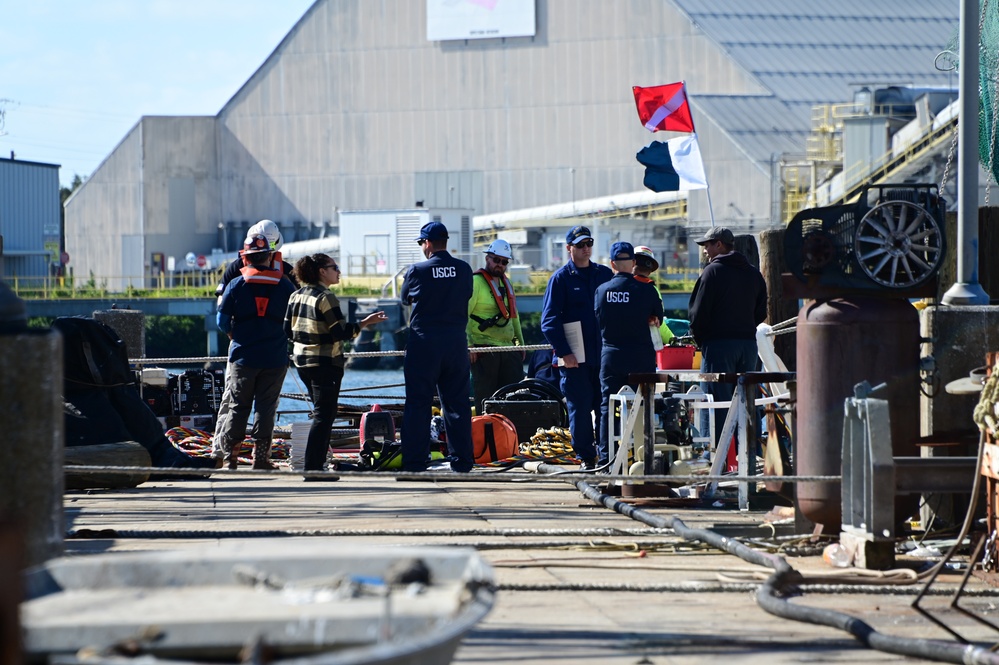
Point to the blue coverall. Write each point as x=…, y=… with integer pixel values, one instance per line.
x=437, y=360
x=568, y=298
x=623, y=307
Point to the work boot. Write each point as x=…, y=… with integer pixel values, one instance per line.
x=262, y=456
x=229, y=455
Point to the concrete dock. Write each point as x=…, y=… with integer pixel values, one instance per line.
x=578, y=583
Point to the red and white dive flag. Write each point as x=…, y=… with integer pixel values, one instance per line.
x=664, y=107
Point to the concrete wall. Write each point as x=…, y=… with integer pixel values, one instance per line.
x=107, y=208
x=157, y=192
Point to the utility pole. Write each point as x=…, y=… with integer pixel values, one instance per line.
x=967, y=290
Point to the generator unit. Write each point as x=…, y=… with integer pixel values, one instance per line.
x=890, y=240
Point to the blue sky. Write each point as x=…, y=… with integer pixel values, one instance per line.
x=76, y=75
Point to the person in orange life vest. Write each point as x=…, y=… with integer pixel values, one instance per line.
x=269, y=230
x=252, y=314
x=645, y=265
x=318, y=328
x=493, y=321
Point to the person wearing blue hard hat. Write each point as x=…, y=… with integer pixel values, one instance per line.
x=569, y=323
x=437, y=360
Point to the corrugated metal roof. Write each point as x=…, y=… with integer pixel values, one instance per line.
x=817, y=56
x=931, y=9
x=807, y=54
x=761, y=126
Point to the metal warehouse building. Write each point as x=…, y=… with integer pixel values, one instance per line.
x=30, y=219
x=377, y=104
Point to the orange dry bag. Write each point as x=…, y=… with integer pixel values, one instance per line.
x=494, y=438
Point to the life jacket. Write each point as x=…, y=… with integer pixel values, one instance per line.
x=505, y=314
x=263, y=274
x=643, y=279
x=269, y=275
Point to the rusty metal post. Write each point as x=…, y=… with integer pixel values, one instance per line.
x=31, y=469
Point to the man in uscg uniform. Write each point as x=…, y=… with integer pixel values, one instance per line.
x=625, y=308
x=493, y=320
x=436, y=361
x=252, y=314
x=568, y=305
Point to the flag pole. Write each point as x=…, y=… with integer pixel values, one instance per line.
x=711, y=211
x=707, y=189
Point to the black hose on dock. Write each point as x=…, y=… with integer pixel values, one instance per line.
x=772, y=596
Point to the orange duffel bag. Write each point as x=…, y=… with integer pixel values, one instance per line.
x=494, y=438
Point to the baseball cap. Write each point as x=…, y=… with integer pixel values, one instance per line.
x=645, y=254
x=576, y=234
x=433, y=231
x=622, y=251
x=716, y=233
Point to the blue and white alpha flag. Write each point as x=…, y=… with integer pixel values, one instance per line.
x=672, y=166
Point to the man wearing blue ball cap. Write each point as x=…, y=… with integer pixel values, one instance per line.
x=568, y=305
x=437, y=353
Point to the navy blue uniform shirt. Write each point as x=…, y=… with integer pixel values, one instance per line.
x=438, y=289
x=257, y=341
x=623, y=307
x=568, y=298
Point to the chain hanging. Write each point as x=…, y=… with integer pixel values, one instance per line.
x=995, y=111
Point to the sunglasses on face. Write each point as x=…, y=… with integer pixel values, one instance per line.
x=500, y=260
x=331, y=265
x=585, y=243
x=421, y=242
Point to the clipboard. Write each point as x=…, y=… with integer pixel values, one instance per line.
x=574, y=336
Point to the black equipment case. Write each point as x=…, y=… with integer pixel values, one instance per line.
x=527, y=415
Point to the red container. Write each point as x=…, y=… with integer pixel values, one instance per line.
x=675, y=357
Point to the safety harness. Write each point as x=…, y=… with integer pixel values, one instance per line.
x=504, y=314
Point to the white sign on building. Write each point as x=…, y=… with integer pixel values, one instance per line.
x=479, y=19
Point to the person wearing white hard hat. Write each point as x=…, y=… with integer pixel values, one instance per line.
x=252, y=315
x=493, y=321
x=270, y=231
x=275, y=240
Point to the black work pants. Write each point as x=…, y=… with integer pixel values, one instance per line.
x=323, y=384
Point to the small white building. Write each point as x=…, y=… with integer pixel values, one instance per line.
x=383, y=242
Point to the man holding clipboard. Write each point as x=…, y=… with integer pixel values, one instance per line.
x=569, y=323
